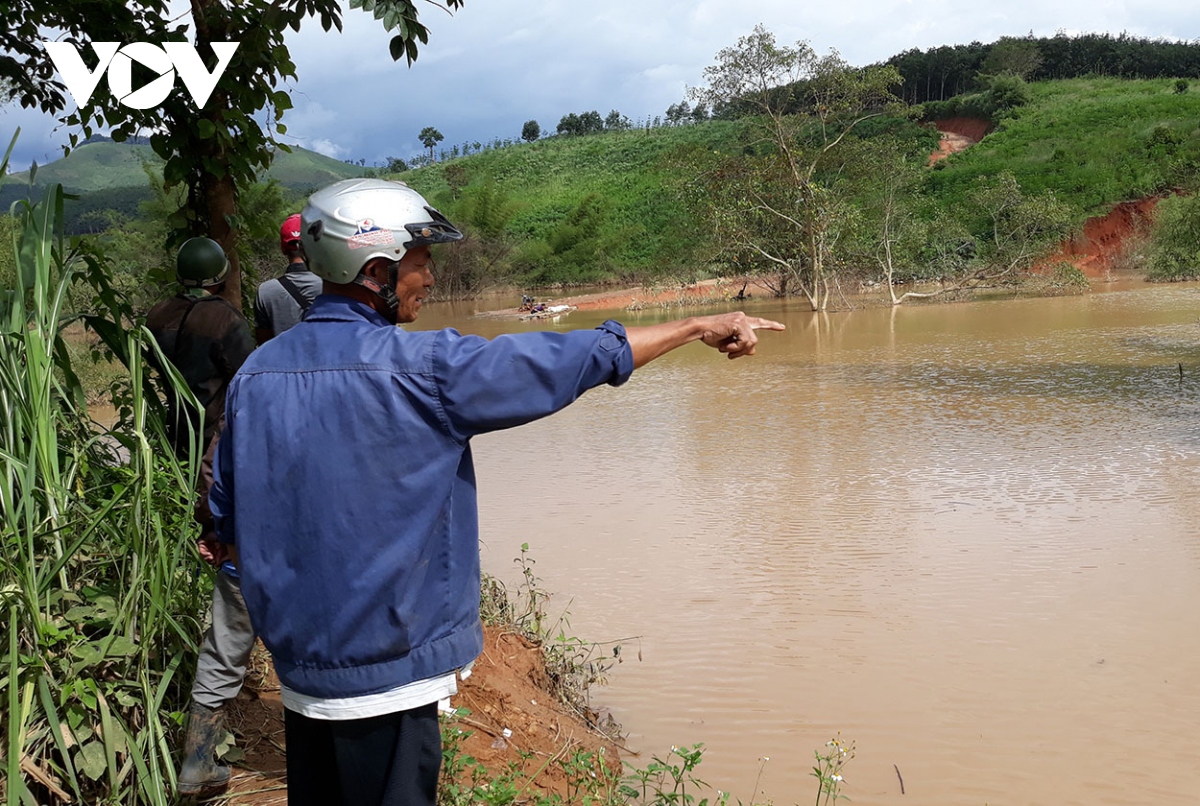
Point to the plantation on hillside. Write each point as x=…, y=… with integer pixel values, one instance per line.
x=588, y=209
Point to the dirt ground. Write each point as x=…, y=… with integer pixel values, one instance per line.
x=957, y=135
x=507, y=689
x=1101, y=249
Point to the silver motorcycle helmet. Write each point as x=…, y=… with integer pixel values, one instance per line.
x=349, y=223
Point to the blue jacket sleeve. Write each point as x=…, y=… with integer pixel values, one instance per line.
x=220, y=497
x=486, y=385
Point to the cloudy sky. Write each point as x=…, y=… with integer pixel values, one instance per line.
x=497, y=63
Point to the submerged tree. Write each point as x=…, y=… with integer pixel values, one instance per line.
x=801, y=107
x=1018, y=228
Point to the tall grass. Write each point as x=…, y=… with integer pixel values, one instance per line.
x=98, y=607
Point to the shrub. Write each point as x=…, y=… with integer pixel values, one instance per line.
x=1175, y=239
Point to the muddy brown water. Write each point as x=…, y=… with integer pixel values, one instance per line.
x=963, y=536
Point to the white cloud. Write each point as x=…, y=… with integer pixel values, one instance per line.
x=328, y=148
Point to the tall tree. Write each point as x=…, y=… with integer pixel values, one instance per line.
x=590, y=122
x=615, y=121
x=216, y=151
x=772, y=202
x=569, y=124
x=531, y=131
x=429, y=138
x=1018, y=57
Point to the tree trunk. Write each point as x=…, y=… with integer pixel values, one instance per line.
x=215, y=198
x=219, y=197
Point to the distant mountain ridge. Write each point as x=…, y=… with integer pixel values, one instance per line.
x=101, y=164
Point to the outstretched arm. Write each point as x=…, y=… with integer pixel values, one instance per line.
x=731, y=333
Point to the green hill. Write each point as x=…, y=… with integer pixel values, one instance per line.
x=618, y=205
x=1093, y=142
x=615, y=189
x=107, y=165
x=111, y=177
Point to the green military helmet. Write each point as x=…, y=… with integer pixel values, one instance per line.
x=201, y=263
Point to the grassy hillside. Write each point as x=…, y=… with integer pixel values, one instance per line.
x=1093, y=141
x=629, y=177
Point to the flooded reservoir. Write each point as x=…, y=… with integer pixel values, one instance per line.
x=966, y=537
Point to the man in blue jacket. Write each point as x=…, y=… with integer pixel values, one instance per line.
x=344, y=480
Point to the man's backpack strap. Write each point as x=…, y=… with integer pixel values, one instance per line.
x=304, y=302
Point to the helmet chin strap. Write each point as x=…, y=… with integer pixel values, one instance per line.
x=386, y=293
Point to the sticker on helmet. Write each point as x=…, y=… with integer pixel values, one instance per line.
x=367, y=234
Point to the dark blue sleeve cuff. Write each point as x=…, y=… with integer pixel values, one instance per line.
x=616, y=343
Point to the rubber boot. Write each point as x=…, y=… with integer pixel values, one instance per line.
x=200, y=771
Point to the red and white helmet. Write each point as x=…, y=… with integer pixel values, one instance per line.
x=289, y=232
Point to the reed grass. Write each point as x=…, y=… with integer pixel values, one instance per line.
x=97, y=582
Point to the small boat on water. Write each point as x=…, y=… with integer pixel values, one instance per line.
x=546, y=311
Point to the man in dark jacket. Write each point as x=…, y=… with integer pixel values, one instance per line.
x=205, y=337
x=207, y=340
x=345, y=479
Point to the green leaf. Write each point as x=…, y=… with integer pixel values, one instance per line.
x=114, y=742
x=175, y=170
x=88, y=654
x=90, y=760
x=161, y=145
x=82, y=613
x=396, y=47
x=121, y=647
x=280, y=128
x=206, y=128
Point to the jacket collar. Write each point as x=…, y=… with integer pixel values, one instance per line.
x=336, y=308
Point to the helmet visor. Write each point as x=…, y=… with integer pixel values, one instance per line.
x=437, y=230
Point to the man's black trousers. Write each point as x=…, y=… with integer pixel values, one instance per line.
x=389, y=760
